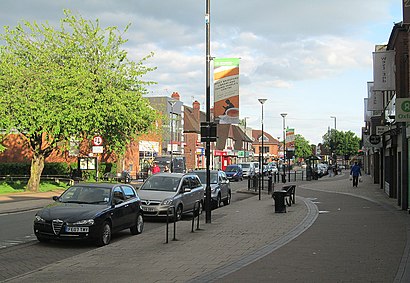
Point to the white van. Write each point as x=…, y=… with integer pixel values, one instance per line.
x=257, y=170
x=248, y=169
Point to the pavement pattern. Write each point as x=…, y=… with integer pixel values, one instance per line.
x=334, y=233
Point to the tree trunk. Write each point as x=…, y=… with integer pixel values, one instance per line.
x=37, y=166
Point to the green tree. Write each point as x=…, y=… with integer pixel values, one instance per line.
x=302, y=147
x=74, y=82
x=342, y=143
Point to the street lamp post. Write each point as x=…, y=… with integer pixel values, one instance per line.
x=262, y=101
x=284, y=148
x=335, y=120
x=208, y=111
x=171, y=165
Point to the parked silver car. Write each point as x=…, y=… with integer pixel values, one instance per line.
x=220, y=187
x=163, y=190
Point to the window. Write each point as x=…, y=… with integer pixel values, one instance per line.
x=128, y=191
x=118, y=194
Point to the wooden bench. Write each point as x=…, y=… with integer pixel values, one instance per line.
x=290, y=194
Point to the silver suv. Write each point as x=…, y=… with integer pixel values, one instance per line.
x=162, y=190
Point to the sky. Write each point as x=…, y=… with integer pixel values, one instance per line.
x=309, y=59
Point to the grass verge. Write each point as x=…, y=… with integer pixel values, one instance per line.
x=7, y=187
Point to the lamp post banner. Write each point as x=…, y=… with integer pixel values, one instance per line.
x=226, y=90
x=290, y=139
x=384, y=76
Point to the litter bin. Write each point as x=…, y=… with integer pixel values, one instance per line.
x=279, y=198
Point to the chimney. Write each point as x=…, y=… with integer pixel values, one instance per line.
x=175, y=95
x=196, y=105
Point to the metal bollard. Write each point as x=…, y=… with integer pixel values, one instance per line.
x=270, y=184
x=175, y=225
x=197, y=208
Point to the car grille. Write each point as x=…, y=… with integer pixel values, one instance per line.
x=150, y=202
x=57, y=225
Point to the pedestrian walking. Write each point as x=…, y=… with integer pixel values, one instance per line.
x=355, y=173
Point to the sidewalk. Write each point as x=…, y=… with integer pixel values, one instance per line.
x=239, y=232
x=239, y=235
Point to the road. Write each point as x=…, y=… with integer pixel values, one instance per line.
x=20, y=252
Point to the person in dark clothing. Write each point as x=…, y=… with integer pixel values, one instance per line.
x=355, y=173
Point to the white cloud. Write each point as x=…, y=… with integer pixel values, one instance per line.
x=309, y=58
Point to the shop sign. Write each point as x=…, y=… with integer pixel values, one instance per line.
x=402, y=110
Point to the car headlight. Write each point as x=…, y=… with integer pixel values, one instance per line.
x=38, y=219
x=167, y=201
x=85, y=222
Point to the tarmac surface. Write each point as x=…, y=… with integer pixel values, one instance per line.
x=334, y=233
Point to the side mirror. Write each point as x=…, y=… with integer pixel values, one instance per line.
x=56, y=198
x=186, y=189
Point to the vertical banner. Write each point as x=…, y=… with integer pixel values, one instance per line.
x=226, y=90
x=290, y=139
x=375, y=102
x=384, y=76
x=367, y=113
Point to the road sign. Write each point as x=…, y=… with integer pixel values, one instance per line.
x=380, y=130
x=97, y=141
x=374, y=139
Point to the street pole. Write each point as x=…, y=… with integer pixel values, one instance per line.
x=171, y=165
x=262, y=101
x=208, y=113
x=335, y=120
x=284, y=148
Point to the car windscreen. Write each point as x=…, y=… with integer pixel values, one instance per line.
x=202, y=176
x=88, y=195
x=245, y=166
x=161, y=183
x=231, y=169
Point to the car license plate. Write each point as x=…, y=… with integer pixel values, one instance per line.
x=77, y=229
x=148, y=209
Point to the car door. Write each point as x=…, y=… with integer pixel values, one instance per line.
x=197, y=190
x=223, y=180
x=186, y=196
x=121, y=209
x=131, y=205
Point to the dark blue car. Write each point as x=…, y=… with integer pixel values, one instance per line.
x=234, y=172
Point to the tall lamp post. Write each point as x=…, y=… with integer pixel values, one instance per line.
x=171, y=166
x=284, y=148
x=262, y=101
x=208, y=110
x=334, y=117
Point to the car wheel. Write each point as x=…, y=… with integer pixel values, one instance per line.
x=139, y=225
x=178, y=213
x=105, y=235
x=228, y=199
